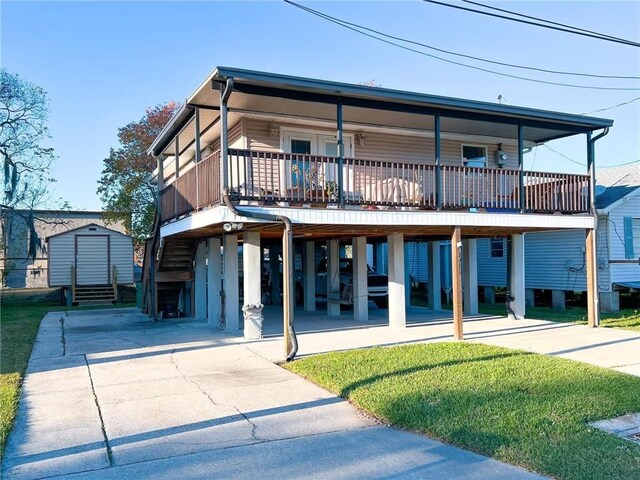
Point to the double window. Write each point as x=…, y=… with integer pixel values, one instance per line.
x=474, y=156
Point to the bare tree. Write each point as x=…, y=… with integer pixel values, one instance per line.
x=26, y=163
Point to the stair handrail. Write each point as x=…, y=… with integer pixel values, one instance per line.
x=114, y=280
x=73, y=283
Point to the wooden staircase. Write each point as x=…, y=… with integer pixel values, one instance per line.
x=94, y=294
x=173, y=266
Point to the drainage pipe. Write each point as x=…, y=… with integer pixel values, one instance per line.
x=287, y=270
x=291, y=342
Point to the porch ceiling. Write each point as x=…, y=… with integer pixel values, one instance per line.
x=266, y=93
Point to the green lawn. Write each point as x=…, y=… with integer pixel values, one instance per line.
x=628, y=319
x=18, y=327
x=525, y=409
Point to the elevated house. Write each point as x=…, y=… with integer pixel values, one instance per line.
x=267, y=159
x=556, y=261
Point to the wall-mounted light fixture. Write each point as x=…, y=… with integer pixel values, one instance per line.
x=274, y=131
x=231, y=226
x=361, y=138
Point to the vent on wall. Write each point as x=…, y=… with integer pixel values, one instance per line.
x=92, y=229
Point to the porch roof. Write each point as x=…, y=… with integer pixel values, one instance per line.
x=274, y=95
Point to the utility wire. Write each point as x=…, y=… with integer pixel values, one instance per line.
x=567, y=30
x=543, y=20
x=471, y=57
x=564, y=156
x=613, y=106
x=359, y=29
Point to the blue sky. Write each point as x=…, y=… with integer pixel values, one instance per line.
x=104, y=63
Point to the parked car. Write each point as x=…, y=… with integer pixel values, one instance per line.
x=377, y=284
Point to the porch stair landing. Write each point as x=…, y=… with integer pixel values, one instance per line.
x=94, y=295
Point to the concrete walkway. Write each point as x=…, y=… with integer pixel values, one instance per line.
x=605, y=347
x=109, y=394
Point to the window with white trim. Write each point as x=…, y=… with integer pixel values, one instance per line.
x=474, y=156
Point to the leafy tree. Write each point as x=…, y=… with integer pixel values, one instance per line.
x=123, y=186
x=26, y=164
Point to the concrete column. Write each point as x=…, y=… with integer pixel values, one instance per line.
x=518, y=305
x=309, y=276
x=470, y=276
x=530, y=297
x=333, y=278
x=274, y=272
x=433, y=287
x=252, y=280
x=214, y=281
x=489, y=295
x=231, y=293
x=397, y=305
x=360, y=287
x=609, y=301
x=558, y=301
x=200, y=304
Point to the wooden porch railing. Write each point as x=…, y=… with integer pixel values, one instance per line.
x=196, y=188
x=272, y=177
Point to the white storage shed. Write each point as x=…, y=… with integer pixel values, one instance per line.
x=95, y=253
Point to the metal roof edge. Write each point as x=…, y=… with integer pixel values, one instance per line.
x=606, y=210
x=337, y=88
x=85, y=226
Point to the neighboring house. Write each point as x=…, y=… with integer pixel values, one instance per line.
x=273, y=160
x=556, y=261
x=90, y=262
x=20, y=271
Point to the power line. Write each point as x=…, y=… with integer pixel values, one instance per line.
x=564, y=156
x=358, y=29
x=567, y=30
x=543, y=20
x=620, y=164
x=613, y=106
x=480, y=59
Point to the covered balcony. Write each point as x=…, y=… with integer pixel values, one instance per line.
x=377, y=149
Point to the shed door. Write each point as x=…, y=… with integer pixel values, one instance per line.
x=92, y=259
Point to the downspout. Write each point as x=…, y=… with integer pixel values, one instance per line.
x=591, y=164
x=287, y=236
x=592, y=169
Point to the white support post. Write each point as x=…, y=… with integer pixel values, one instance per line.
x=470, y=276
x=309, y=276
x=231, y=293
x=397, y=305
x=333, y=278
x=360, y=286
x=252, y=282
x=214, y=281
x=200, y=277
x=517, y=276
x=434, y=286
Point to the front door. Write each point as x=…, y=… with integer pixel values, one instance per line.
x=92, y=260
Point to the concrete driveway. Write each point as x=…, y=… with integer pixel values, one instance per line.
x=110, y=394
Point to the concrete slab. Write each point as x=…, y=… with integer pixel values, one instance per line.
x=377, y=452
x=114, y=395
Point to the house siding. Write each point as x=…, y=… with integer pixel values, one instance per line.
x=62, y=252
x=492, y=272
x=622, y=272
x=382, y=146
